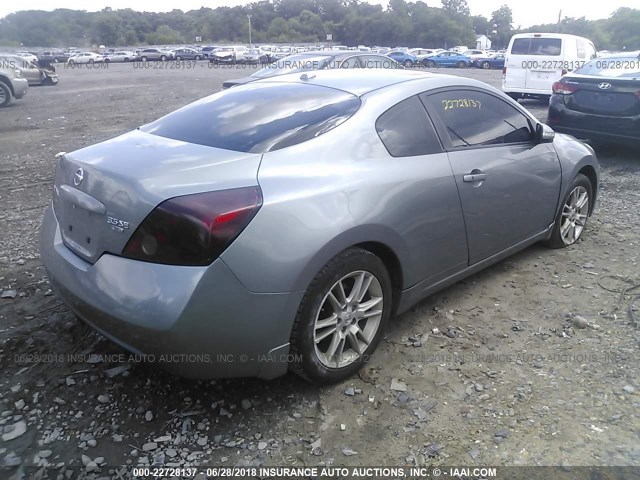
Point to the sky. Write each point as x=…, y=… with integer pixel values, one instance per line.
x=525, y=12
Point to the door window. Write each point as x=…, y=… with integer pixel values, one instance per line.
x=472, y=118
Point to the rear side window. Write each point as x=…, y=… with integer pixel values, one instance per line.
x=471, y=118
x=406, y=130
x=537, y=46
x=258, y=118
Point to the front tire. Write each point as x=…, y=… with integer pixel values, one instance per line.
x=572, y=217
x=430, y=64
x=407, y=63
x=341, y=317
x=485, y=65
x=461, y=64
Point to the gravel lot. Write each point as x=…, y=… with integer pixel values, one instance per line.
x=530, y=362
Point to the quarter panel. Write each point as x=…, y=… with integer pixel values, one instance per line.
x=344, y=188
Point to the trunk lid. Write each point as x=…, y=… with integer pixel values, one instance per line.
x=604, y=96
x=103, y=192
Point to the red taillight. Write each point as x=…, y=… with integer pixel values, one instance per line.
x=504, y=70
x=563, y=88
x=638, y=94
x=194, y=229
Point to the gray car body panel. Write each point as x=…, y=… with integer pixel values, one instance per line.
x=172, y=311
x=320, y=197
x=131, y=174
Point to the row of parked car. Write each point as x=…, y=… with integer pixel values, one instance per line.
x=264, y=54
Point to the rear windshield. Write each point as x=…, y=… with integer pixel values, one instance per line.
x=292, y=64
x=612, y=67
x=258, y=118
x=537, y=46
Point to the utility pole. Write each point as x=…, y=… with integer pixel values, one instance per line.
x=249, y=17
x=559, y=20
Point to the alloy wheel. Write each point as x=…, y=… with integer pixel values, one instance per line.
x=574, y=215
x=348, y=319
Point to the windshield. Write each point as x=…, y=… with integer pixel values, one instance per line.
x=612, y=67
x=292, y=64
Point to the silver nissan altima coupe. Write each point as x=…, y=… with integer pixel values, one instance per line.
x=280, y=224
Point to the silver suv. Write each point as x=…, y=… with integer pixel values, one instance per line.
x=12, y=85
x=154, y=54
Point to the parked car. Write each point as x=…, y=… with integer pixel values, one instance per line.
x=299, y=214
x=535, y=61
x=231, y=54
x=187, y=54
x=119, y=57
x=281, y=52
x=33, y=73
x=255, y=56
x=54, y=56
x=306, y=62
x=208, y=50
x=447, y=59
x=474, y=54
x=12, y=85
x=600, y=101
x=85, y=58
x=27, y=56
x=157, y=54
x=421, y=53
x=490, y=61
x=404, y=58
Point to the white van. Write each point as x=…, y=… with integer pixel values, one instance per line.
x=535, y=60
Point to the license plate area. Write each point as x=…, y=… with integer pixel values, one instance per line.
x=79, y=228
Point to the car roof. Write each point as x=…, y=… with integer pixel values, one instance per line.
x=360, y=82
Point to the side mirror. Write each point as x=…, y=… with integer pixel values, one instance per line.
x=544, y=133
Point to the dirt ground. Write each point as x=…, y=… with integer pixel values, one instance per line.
x=530, y=362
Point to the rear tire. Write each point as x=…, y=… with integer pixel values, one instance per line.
x=573, y=215
x=485, y=65
x=408, y=63
x=430, y=64
x=5, y=95
x=163, y=58
x=143, y=59
x=461, y=64
x=331, y=338
x=515, y=96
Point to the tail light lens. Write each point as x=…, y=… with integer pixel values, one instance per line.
x=563, y=88
x=637, y=94
x=194, y=229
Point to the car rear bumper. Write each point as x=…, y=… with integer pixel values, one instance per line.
x=20, y=87
x=199, y=322
x=592, y=126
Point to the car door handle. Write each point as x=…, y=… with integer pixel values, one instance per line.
x=474, y=177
